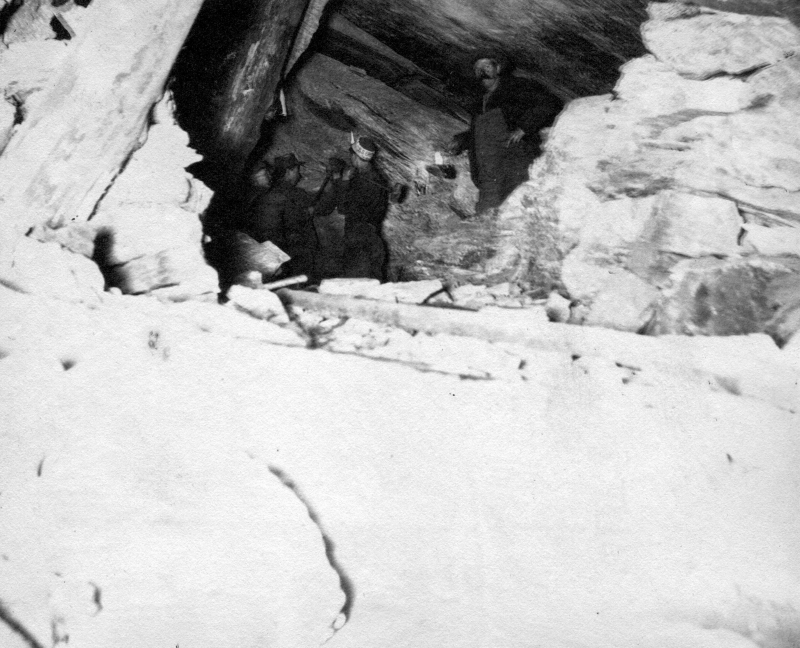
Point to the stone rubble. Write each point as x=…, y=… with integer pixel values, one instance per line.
x=263, y=304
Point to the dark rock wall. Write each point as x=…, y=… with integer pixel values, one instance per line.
x=575, y=47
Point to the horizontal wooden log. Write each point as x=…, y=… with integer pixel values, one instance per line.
x=345, y=42
x=408, y=133
x=737, y=364
x=515, y=326
x=79, y=133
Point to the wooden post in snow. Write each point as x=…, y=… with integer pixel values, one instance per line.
x=84, y=126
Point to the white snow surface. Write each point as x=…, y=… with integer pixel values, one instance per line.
x=583, y=507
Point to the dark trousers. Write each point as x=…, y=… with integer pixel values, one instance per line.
x=364, y=251
x=499, y=168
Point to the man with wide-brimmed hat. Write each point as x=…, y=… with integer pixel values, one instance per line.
x=281, y=215
x=361, y=195
x=504, y=134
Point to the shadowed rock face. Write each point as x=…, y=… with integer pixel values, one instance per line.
x=575, y=46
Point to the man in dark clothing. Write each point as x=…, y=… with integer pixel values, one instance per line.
x=282, y=215
x=361, y=195
x=504, y=134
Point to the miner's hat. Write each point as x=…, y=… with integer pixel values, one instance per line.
x=503, y=61
x=365, y=148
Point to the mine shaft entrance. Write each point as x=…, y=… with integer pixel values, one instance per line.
x=251, y=94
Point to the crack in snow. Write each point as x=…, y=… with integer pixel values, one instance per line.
x=7, y=618
x=345, y=583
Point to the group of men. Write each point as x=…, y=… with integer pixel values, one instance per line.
x=281, y=212
x=503, y=139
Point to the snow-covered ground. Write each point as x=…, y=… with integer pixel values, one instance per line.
x=169, y=473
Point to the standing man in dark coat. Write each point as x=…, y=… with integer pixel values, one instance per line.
x=362, y=197
x=281, y=214
x=504, y=134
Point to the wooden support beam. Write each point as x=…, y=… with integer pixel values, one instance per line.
x=84, y=126
x=345, y=42
x=252, y=81
x=408, y=133
x=307, y=30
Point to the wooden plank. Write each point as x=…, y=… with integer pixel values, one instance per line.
x=747, y=365
x=81, y=130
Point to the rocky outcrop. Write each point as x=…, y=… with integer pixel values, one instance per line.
x=149, y=224
x=146, y=233
x=574, y=47
x=141, y=225
x=680, y=191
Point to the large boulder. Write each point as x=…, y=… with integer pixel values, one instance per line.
x=49, y=269
x=149, y=234
x=733, y=138
x=712, y=43
x=694, y=157
x=719, y=297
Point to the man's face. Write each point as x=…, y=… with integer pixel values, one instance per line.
x=292, y=176
x=261, y=178
x=487, y=72
x=356, y=162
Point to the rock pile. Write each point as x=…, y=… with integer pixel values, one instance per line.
x=672, y=205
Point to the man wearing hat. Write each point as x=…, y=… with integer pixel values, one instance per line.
x=361, y=195
x=504, y=134
x=281, y=215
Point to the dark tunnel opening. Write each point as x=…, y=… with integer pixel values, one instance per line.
x=374, y=45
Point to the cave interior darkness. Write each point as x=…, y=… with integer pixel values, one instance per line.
x=576, y=53
x=575, y=48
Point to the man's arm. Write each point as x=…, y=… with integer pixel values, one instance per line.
x=459, y=143
x=529, y=106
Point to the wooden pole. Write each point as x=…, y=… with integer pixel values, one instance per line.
x=83, y=127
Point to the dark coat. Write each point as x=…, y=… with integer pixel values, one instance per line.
x=495, y=166
x=279, y=215
x=363, y=199
x=524, y=104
